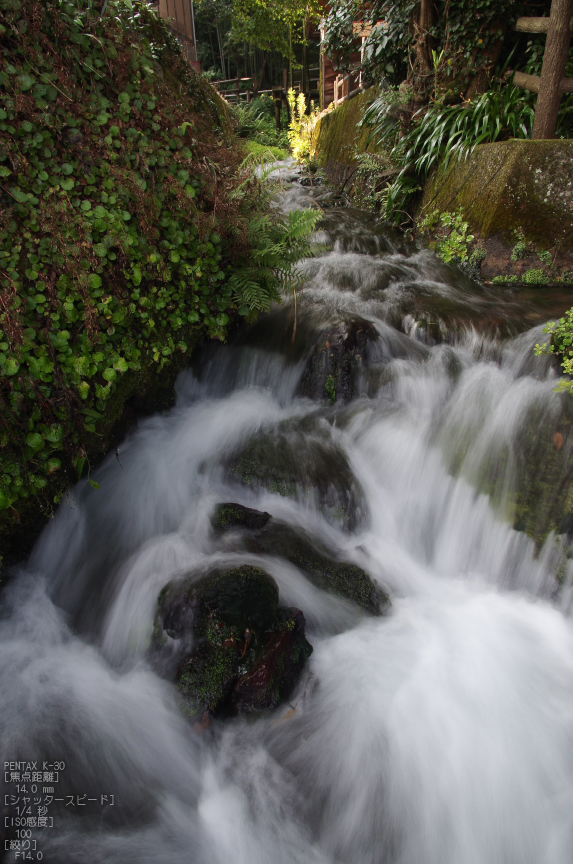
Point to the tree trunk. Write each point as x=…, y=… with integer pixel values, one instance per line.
x=480, y=82
x=423, y=43
x=554, y=63
x=261, y=74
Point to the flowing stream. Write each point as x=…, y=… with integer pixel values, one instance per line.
x=439, y=733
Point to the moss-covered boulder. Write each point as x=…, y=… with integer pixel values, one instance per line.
x=301, y=460
x=338, y=136
x=274, y=674
x=510, y=186
x=237, y=516
x=243, y=597
x=321, y=567
x=235, y=650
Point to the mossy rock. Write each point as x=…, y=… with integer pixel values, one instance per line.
x=241, y=597
x=297, y=460
x=237, y=516
x=230, y=631
x=337, y=135
x=328, y=573
x=273, y=676
x=509, y=186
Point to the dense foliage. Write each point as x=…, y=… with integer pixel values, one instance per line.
x=442, y=133
x=122, y=217
x=561, y=344
x=462, y=40
x=254, y=37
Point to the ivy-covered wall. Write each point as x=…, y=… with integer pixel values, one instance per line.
x=122, y=216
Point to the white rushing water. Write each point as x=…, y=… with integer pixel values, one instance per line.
x=441, y=733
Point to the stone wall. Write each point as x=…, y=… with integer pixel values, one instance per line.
x=510, y=186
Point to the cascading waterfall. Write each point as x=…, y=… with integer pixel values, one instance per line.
x=440, y=733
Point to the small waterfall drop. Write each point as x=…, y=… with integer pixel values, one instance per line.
x=422, y=428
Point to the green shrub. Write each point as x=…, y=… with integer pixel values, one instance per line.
x=521, y=247
x=445, y=132
x=560, y=344
x=123, y=217
x=301, y=126
x=536, y=277
x=452, y=243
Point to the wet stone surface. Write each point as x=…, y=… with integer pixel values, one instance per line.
x=312, y=558
x=238, y=650
x=335, y=364
x=298, y=460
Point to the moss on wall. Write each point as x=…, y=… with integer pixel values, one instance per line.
x=337, y=135
x=508, y=187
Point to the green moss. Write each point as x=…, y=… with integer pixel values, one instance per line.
x=330, y=387
x=266, y=153
x=510, y=185
x=207, y=678
x=506, y=280
x=338, y=136
x=536, y=276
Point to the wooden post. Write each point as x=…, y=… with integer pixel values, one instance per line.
x=553, y=70
x=278, y=100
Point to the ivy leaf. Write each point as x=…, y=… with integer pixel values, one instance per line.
x=35, y=441
x=109, y=374
x=26, y=81
x=11, y=366
x=67, y=184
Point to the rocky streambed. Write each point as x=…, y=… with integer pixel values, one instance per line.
x=319, y=612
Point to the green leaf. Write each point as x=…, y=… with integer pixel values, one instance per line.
x=26, y=81
x=94, y=279
x=11, y=366
x=67, y=168
x=67, y=184
x=109, y=374
x=35, y=441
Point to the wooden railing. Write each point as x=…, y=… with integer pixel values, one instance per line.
x=243, y=89
x=347, y=87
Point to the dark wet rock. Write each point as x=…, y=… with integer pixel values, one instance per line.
x=239, y=652
x=237, y=516
x=242, y=597
x=326, y=572
x=336, y=360
x=273, y=676
x=311, y=557
x=298, y=460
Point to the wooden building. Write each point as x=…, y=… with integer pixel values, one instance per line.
x=180, y=15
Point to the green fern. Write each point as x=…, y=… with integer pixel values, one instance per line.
x=277, y=244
